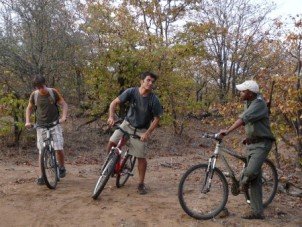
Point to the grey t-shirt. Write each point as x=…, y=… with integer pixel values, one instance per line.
x=142, y=108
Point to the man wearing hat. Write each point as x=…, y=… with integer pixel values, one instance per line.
x=259, y=139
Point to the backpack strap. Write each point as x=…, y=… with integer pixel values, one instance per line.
x=52, y=95
x=36, y=93
x=50, y=91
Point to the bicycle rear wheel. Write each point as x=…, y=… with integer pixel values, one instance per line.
x=105, y=175
x=269, y=183
x=196, y=199
x=49, y=167
x=126, y=170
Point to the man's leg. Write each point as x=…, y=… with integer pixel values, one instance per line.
x=142, y=167
x=256, y=195
x=252, y=176
x=110, y=145
x=57, y=136
x=40, y=180
x=60, y=157
x=61, y=160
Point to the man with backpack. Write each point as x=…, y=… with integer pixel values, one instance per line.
x=44, y=102
x=142, y=118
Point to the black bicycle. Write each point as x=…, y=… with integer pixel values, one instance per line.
x=48, y=161
x=118, y=163
x=203, y=189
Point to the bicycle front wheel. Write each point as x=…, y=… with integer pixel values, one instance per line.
x=49, y=168
x=269, y=180
x=126, y=171
x=105, y=175
x=200, y=195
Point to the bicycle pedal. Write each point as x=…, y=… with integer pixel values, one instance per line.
x=226, y=174
x=235, y=188
x=127, y=173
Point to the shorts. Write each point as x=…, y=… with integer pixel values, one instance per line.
x=137, y=148
x=57, y=136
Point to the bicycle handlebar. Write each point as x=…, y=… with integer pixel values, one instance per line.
x=215, y=136
x=116, y=126
x=47, y=126
x=129, y=134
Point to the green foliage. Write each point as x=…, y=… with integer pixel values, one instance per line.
x=132, y=51
x=288, y=108
x=11, y=113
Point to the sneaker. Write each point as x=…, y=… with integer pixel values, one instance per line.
x=253, y=216
x=141, y=189
x=62, y=172
x=40, y=181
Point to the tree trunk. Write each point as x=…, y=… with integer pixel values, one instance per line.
x=17, y=130
x=79, y=82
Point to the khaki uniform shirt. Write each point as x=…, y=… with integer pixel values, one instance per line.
x=256, y=119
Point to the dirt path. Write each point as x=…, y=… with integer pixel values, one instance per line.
x=23, y=203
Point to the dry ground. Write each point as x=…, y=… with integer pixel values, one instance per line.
x=23, y=203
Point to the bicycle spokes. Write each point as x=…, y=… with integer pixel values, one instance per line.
x=203, y=194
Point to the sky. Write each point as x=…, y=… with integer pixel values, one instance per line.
x=285, y=8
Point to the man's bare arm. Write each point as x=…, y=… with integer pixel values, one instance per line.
x=151, y=128
x=112, y=108
x=64, y=106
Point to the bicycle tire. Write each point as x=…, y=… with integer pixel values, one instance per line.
x=104, y=177
x=202, y=205
x=269, y=183
x=126, y=170
x=49, y=167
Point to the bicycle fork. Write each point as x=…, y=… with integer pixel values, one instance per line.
x=209, y=174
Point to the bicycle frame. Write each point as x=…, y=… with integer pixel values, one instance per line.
x=219, y=148
x=47, y=141
x=116, y=164
x=121, y=153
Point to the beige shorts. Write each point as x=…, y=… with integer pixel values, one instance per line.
x=137, y=148
x=57, y=136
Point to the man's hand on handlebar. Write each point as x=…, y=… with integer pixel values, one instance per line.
x=145, y=136
x=111, y=121
x=223, y=133
x=63, y=119
x=28, y=125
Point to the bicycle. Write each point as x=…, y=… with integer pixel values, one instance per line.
x=48, y=161
x=118, y=163
x=203, y=189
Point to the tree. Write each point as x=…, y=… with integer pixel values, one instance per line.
x=36, y=38
x=231, y=32
x=290, y=90
x=133, y=37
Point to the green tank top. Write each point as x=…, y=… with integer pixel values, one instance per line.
x=46, y=108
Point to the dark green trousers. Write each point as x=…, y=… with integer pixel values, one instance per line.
x=256, y=155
